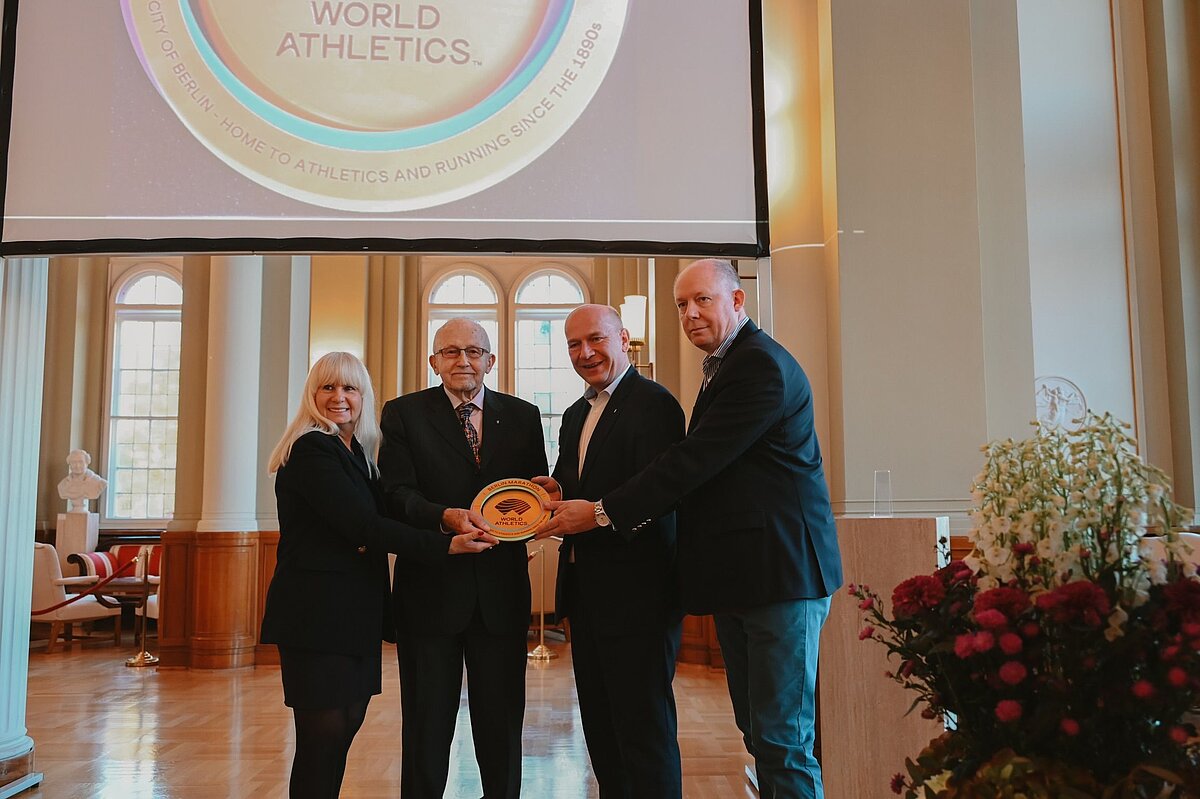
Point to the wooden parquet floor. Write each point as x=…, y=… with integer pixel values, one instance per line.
x=104, y=730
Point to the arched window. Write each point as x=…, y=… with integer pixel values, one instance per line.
x=522, y=306
x=465, y=293
x=144, y=395
x=543, y=371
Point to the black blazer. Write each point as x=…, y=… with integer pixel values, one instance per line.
x=755, y=523
x=426, y=467
x=329, y=592
x=629, y=576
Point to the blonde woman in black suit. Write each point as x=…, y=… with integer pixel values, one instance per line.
x=328, y=605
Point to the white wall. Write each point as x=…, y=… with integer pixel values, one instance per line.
x=1073, y=192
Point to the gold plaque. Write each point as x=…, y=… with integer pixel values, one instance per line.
x=514, y=508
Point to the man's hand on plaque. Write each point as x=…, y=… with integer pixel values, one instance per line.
x=469, y=543
x=461, y=520
x=570, y=517
x=550, y=486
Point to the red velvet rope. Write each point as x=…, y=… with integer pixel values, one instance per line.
x=91, y=590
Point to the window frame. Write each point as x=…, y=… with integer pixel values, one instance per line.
x=431, y=311
x=123, y=273
x=508, y=312
x=540, y=311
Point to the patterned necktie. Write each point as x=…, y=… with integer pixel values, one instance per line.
x=709, y=367
x=464, y=418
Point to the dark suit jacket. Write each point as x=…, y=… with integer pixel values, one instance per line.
x=426, y=467
x=629, y=576
x=330, y=588
x=755, y=524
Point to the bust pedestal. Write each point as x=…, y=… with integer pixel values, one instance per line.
x=76, y=532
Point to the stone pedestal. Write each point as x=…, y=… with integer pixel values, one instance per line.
x=75, y=532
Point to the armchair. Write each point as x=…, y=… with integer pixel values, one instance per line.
x=49, y=589
x=104, y=564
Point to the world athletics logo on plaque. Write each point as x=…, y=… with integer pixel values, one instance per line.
x=514, y=508
x=373, y=106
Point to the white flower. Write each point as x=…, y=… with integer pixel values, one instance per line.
x=1049, y=547
x=1116, y=624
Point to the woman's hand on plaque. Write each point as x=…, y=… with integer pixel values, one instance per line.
x=469, y=543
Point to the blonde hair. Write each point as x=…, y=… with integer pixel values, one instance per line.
x=336, y=368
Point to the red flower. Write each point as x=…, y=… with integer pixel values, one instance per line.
x=867, y=603
x=983, y=641
x=1178, y=734
x=1142, y=689
x=990, y=618
x=1008, y=710
x=866, y=632
x=1030, y=629
x=1081, y=602
x=1177, y=677
x=1183, y=599
x=897, y=783
x=1170, y=652
x=1012, y=602
x=1069, y=726
x=954, y=572
x=964, y=645
x=923, y=592
x=1011, y=643
x=1190, y=628
x=1023, y=548
x=1013, y=672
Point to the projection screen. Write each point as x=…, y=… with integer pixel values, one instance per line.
x=570, y=126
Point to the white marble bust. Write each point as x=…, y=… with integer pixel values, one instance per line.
x=81, y=483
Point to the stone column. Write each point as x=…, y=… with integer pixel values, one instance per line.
x=209, y=610
x=23, y=284
x=231, y=398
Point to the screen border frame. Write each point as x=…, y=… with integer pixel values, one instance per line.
x=323, y=244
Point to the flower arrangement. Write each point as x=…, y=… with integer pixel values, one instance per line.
x=1064, y=651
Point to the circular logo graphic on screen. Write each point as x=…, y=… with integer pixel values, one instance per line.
x=376, y=106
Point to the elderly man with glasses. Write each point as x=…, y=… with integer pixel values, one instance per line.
x=441, y=446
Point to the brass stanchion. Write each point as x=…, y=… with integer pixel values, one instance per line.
x=541, y=651
x=142, y=658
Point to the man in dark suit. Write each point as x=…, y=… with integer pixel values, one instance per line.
x=618, y=587
x=757, y=543
x=441, y=446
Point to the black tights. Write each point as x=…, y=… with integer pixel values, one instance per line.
x=323, y=739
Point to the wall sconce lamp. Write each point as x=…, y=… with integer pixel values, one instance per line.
x=633, y=319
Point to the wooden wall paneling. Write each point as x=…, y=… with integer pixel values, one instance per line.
x=224, y=600
x=698, y=644
x=174, y=631
x=864, y=732
x=210, y=606
x=268, y=548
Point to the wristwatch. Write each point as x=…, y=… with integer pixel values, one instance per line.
x=602, y=519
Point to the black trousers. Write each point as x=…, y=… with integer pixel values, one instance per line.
x=627, y=705
x=431, y=673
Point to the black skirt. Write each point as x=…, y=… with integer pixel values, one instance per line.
x=326, y=680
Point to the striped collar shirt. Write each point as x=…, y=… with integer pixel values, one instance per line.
x=713, y=362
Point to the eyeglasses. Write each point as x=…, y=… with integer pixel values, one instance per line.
x=452, y=353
